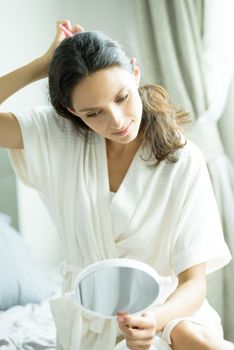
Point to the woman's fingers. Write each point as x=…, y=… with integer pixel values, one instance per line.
x=61, y=24
x=136, y=334
x=65, y=22
x=140, y=322
x=77, y=28
x=139, y=331
x=66, y=29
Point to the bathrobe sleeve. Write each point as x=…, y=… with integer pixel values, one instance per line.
x=198, y=235
x=35, y=165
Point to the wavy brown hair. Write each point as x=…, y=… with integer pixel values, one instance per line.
x=161, y=123
x=86, y=53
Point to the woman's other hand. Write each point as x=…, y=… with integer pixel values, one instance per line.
x=139, y=331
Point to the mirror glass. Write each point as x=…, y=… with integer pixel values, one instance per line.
x=111, y=289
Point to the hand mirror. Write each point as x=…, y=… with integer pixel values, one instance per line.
x=113, y=285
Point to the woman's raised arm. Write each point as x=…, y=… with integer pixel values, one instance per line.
x=10, y=133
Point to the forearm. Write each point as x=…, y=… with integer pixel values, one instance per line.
x=37, y=69
x=17, y=79
x=184, y=301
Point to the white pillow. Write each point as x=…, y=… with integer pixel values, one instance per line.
x=22, y=280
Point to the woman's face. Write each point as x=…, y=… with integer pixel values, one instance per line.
x=108, y=103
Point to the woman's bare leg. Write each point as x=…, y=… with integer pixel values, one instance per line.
x=187, y=335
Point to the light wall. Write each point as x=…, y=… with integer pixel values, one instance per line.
x=27, y=28
x=115, y=17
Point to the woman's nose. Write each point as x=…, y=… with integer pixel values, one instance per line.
x=116, y=119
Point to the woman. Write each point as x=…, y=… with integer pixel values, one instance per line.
x=119, y=180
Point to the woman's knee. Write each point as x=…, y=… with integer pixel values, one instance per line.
x=188, y=335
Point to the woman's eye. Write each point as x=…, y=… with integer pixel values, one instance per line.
x=123, y=98
x=93, y=115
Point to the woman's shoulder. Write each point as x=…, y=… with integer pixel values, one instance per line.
x=45, y=113
x=42, y=117
x=190, y=153
x=190, y=164
x=42, y=111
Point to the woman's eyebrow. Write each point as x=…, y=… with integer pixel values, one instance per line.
x=99, y=107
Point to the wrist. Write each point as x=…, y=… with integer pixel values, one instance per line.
x=41, y=64
x=159, y=319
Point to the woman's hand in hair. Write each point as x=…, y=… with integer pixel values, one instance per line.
x=59, y=36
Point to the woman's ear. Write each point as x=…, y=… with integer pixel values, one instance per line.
x=136, y=71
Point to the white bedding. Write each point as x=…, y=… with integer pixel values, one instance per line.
x=29, y=327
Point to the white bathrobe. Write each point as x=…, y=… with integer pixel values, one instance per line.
x=165, y=216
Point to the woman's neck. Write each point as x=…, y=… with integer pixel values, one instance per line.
x=119, y=149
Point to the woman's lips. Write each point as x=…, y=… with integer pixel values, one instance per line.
x=122, y=132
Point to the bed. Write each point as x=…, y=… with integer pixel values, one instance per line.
x=8, y=195
x=27, y=327
x=25, y=287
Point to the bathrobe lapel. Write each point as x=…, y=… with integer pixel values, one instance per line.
x=102, y=215
x=130, y=194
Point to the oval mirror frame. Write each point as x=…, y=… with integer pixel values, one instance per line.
x=104, y=288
